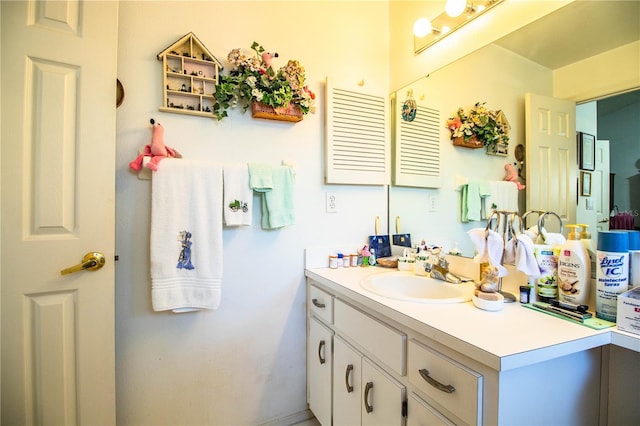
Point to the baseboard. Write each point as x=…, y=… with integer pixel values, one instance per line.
x=291, y=419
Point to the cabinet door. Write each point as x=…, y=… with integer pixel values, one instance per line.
x=420, y=413
x=347, y=389
x=319, y=362
x=382, y=397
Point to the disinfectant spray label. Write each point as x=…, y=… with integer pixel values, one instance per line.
x=612, y=278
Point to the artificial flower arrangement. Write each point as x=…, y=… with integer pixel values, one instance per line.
x=253, y=79
x=480, y=126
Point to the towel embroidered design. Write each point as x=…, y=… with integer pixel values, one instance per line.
x=184, y=259
x=239, y=205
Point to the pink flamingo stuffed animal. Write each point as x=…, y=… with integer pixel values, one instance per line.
x=157, y=150
x=512, y=175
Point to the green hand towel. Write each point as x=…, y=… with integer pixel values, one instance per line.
x=277, y=204
x=260, y=177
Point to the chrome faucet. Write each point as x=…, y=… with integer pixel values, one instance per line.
x=440, y=270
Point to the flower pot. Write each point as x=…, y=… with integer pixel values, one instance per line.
x=471, y=143
x=291, y=113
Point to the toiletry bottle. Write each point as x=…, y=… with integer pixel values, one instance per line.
x=634, y=258
x=574, y=270
x=612, y=272
x=546, y=285
x=365, y=256
x=372, y=257
x=587, y=242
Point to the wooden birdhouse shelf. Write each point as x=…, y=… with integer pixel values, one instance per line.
x=189, y=77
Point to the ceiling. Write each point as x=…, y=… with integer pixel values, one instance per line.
x=577, y=31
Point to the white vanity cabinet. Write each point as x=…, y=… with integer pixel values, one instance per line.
x=362, y=392
x=420, y=374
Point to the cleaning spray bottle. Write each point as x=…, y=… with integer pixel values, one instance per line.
x=587, y=242
x=612, y=272
x=574, y=270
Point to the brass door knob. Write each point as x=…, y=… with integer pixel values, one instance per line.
x=90, y=262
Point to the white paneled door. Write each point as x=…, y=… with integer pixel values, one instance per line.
x=58, y=152
x=600, y=190
x=552, y=168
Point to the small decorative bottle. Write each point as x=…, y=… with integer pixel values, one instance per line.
x=365, y=256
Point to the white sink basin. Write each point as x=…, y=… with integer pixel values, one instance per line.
x=413, y=288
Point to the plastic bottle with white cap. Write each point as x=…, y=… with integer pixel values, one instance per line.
x=574, y=270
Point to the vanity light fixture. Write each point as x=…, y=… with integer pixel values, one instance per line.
x=457, y=13
x=455, y=8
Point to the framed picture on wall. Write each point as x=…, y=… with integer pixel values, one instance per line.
x=585, y=184
x=586, y=151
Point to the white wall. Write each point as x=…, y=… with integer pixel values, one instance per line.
x=245, y=362
x=614, y=71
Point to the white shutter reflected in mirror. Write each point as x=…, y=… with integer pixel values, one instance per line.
x=356, y=151
x=416, y=150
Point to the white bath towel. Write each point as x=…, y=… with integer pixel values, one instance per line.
x=238, y=195
x=489, y=248
x=186, y=235
x=503, y=195
x=525, y=259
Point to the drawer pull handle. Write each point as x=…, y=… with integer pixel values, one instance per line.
x=436, y=384
x=367, y=389
x=320, y=347
x=318, y=304
x=346, y=378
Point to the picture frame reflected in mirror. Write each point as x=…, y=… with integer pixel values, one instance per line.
x=586, y=151
x=585, y=184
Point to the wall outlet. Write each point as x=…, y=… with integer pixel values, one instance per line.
x=589, y=203
x=331, y=202
x=433, y=203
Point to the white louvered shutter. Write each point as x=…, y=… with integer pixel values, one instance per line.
x=357, y=148
x=416, y=150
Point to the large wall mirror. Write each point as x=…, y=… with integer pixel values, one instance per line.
x=539, y=58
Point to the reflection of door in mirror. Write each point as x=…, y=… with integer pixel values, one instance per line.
x=551, y=157
x=600, y=187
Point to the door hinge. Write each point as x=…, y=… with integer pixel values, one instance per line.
x=404, y=408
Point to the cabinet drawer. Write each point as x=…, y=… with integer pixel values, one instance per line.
x=383, y=342
x=320, y=304
x=446, y=381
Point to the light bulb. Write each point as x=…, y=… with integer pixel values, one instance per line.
x=422, y=27
x=455, y=7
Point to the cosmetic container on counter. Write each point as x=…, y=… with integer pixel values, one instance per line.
x=574, y=270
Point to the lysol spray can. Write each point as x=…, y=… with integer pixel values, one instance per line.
x=612, y=272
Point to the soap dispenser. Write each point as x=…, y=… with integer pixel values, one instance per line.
x=574, y=270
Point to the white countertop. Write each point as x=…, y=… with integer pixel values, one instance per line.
x=514, y=337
